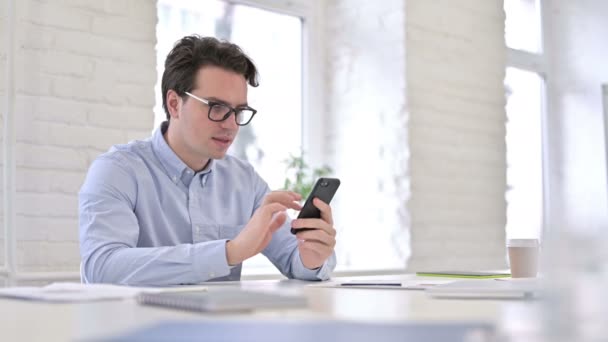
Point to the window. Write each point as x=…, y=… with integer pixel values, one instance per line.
x=525, y=92
x=524, y=153
x=522, y=25
x=274, y=41
x=284, y=45
x=278, y=101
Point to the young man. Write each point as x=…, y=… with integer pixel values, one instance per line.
x=175, y=209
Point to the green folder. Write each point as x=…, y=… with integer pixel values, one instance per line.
x=465, y=274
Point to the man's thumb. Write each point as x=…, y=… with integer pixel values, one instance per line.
x=277, y=220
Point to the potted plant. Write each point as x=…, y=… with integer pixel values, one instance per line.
x=300, y=177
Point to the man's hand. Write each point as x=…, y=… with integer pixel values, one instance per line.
x=257, y=234
x=287, y=198
x=316, y=245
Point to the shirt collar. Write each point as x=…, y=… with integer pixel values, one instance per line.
x=175, y=168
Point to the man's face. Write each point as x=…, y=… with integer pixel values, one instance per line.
x=202, y=138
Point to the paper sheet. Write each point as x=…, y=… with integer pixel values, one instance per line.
x=489, y=288
x=77, y=292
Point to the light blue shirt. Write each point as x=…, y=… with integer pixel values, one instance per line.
x=148, y=219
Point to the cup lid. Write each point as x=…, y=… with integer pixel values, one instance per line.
x=523, y=243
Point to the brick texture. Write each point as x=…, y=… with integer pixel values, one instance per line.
x=85, y=74
x=455, y=60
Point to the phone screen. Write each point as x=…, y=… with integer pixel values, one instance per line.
x=324, y=189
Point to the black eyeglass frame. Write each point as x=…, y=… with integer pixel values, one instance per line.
x=212, y=104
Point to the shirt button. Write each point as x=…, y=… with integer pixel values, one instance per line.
x=174, y=179
x=211, y=274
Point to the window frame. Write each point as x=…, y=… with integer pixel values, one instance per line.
x=539, y=64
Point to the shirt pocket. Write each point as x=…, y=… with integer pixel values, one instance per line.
x=230, y=231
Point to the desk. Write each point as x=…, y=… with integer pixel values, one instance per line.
x=36, y=321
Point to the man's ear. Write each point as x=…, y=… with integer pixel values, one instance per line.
x=174, y=103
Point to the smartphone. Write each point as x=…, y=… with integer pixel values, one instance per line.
x=324, y=189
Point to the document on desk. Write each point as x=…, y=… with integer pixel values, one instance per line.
x=489, y=289
x=77, y=292
x=384, y=284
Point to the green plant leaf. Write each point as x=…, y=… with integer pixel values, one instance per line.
x=300, y=177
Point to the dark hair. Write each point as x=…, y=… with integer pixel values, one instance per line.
x=191, y=53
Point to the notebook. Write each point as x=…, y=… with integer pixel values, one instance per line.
x=222, y=300
x=465, y=274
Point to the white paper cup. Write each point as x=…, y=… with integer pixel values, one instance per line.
x=523, y=257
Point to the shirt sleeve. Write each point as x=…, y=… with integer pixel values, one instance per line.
x=283, y=251
x=109, y=231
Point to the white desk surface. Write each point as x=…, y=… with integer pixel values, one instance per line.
x=38, y=321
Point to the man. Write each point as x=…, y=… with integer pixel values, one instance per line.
x=175, y=209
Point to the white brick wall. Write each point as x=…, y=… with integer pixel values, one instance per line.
x=85, y=74
x=455, y=57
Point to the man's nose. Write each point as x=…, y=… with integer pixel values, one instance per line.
x=230, y=122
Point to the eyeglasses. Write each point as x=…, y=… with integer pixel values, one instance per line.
x=219, y=111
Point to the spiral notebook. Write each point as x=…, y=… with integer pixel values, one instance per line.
x=222, y=300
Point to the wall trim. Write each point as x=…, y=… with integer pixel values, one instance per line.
x=14, y=278
x=50, y=276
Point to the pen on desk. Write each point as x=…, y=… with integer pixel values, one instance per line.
x=370, y=284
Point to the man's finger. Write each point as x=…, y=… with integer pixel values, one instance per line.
x=278, y=219
x=289, y=195
x=318, y=236
x=287, y=198
x=315, y=224
x=270, y=209
x=296, y=196
x=316, y=247
x=325, y=209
